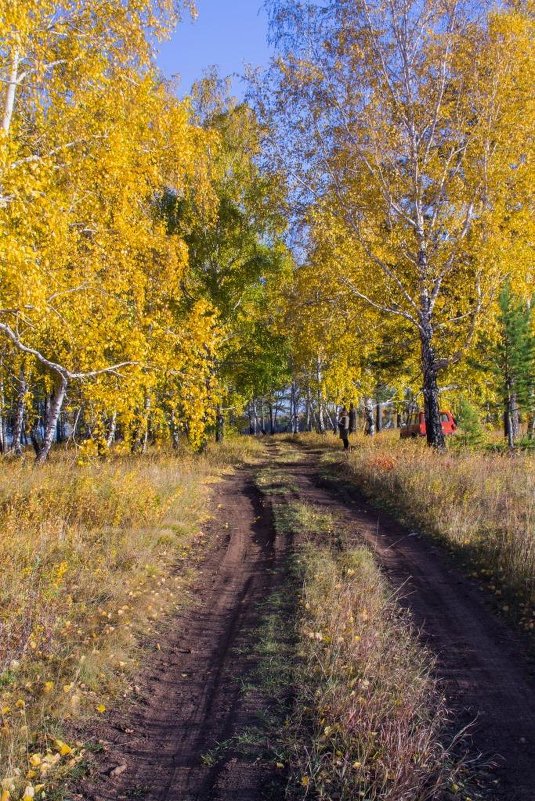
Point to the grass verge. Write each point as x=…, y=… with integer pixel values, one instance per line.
x=367, y=720
x=92, y=559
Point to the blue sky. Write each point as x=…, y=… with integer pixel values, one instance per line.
x=227, y=33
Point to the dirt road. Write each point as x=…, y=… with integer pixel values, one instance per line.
x=175, y=742
x=190, y=702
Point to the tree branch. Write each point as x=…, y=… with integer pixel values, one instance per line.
x=386, y=309
x=64, y=373
x=58, y=149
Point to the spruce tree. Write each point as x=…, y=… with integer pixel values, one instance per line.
x=470, y=431
x=515, y=362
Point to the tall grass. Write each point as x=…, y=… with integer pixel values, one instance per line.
x=90, y=562
x=481, y=504
x=370, y=717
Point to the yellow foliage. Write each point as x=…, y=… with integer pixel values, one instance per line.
x=92, y=138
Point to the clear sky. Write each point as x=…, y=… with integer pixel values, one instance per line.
x=227, y=33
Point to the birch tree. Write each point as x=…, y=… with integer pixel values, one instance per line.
x=91, y=277
x=238, y=261
x=398, y=125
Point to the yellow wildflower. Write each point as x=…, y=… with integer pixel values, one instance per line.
x=63, y=748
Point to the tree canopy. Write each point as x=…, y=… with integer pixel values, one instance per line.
x=360, y=230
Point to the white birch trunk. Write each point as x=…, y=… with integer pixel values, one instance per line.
x=112, y=430
x=9, y=105
x=53, y=412
x=19, y=416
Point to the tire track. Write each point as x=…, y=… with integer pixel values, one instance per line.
x=482, y=663
x=191, y=701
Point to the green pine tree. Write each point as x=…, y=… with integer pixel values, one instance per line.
x=470, y=433
x=515, y=360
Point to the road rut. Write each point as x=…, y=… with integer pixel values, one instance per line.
x=191, y=701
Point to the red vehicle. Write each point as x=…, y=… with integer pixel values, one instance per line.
x=416, y=425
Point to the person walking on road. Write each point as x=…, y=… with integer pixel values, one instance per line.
x=343, y=427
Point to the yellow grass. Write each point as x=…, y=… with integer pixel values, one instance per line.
x=92, y=558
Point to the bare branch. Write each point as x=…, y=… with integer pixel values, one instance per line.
x=64, y=373
x=394, y=309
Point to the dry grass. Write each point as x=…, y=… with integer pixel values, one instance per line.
x=482, y=504
x=89, y=558
x=370, y=717
x=479, y=503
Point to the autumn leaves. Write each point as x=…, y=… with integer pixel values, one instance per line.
x=404, y=130
x=101, y=315
x=145, y=287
